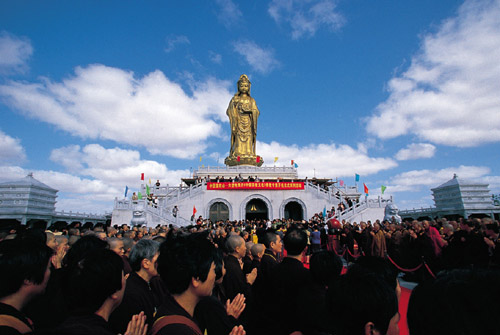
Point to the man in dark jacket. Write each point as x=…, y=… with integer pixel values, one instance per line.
x=139, y=295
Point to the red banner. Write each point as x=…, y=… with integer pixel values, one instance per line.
x=255, y=185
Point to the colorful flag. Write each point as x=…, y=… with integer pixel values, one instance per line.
x=139, y=195
x=149, y=181
x=296, y=165
x=324, y=212
x=147, y=189
x=275, y=159
x=238, y=158
x=292, y=162
x=126, y=191
x=200, y=158
x=366, y=188
x=341, y=182
x=142, y=176
x=194, y=210
x=383, y=189
x=258, y=159
x=357, y=177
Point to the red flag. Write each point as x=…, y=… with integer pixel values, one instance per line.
x=142, y=176
x=341, y=182
x=366, y=188
x=258, y=159
x=238, y=158
x=194, y=210
x=292, y=162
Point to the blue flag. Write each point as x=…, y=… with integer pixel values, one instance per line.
x=324, y=212
x=126, y=191
x=295, y=165
x=357, y=177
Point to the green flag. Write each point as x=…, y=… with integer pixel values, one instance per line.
x=139, y=195
x=383, y=189
x=147, y=189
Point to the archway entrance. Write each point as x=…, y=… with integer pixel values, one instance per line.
x=293, y=210
x=219, y=212
x=256, y=209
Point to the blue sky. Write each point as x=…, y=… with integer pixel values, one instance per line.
x=404, y=93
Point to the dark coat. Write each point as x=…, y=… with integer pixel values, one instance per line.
x=138, y=297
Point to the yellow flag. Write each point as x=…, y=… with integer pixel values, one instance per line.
x=200, y=158
x=149, y=181
x=275, y=159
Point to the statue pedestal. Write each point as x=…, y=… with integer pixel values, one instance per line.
x=244, y=160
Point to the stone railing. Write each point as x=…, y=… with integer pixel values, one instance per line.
x=213, y=170
x=72, y=214
x=162, y=212
x=414, y=211
x=362, y=205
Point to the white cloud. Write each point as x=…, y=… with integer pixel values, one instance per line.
x=416, y=151
x=14, y=53
x=324, y=160
x=449, y=94
x=97, y=175
x=215, y=57
x=306, y=17
x=115, y=166
x=11, y=149
x=102, y=102
x=175, y=40
x=415, y=180
x=229, y=13
x=260, y=59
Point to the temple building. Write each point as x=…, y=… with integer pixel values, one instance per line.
x=234, y=194
x=28, y=200
x=458, y=198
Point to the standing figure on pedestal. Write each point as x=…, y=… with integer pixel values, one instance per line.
x=243, y=115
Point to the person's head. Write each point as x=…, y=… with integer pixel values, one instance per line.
x=272, y=241
x=51, y=241
x=23, y=264
x=128, y=243
x=144, y=255
x=187, y=262
x=362, y=304
x=116, y=245
x=325, y=267
x=62, y=242
x=249, y=245
x=379, y=266
x=81, y=248
x=258, y=250
x=491, y=229
x=459, y=301
x=99, y=276
x=295, y=241
x=235, y=246
x=220, y=270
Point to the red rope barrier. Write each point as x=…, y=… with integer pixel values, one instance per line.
x=429, y=269
x=336, y=253
x=349, y=251
x=403, y=269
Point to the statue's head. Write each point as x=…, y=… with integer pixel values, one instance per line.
x=244, y=84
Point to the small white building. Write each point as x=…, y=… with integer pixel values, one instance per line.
x=27, y=199
x=458, y=197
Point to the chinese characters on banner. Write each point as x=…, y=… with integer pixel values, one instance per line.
x=258, y=185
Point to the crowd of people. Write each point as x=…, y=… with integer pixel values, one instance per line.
x=254, y=277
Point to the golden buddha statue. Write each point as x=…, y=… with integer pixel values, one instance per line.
x=243, y=115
